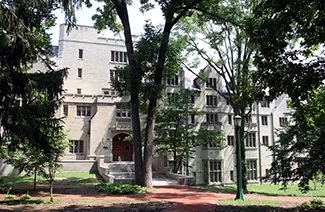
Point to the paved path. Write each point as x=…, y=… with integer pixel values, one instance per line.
x=183, y=198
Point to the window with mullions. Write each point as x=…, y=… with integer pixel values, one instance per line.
x=211, y=83
x=264, y=120
x=83, y=110
x=76, y=146
x=283, y=121
x=211, y=100
x=212, y=118
x=123, y=111
x=265, y=103
x=251, y=170
x=118, y=56
x=172, y=81
x=231, y=140
x=250, y=140
x=212, y=171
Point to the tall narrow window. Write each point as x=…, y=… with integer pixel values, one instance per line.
x=250, y=140
x=78, y=90
x=79, y=72
x=230, y=119
x=265, y=103
x=264, y=120
x=251, y=170
x=112, y=75
x=81, y=53
x=65, y=110
x=265, y=140
x=231, y=140
x=215, y=171
x=172, y=81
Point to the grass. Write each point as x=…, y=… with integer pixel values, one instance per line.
x=270, y=190
x=250, y=202
x=64, y=178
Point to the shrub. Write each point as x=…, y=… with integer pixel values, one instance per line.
x=314, y=204
x=25, y=197
x=120, y=188
x=10, y=197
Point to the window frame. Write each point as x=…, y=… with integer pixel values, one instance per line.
x=80, y=54
x=265, y=140
x=79, y=74
x=264, y=120
x=76, y=149
x=83, y=110
x=252, y=170
x=250, y=140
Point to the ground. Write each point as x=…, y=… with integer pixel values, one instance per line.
x=168, y=199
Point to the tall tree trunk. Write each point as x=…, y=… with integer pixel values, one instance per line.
x=243, y=155
x=35, y=177
x=51, y=190
x=122, y=12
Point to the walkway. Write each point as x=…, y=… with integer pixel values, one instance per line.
x=182, y=198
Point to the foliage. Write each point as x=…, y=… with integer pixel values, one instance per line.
x=268, y=189
x=300, y=149
x=24, y=199
x=120, y=188
x=28, y=100
x=315, y=204
x=176, y=134
x=222, y=42
x=289, y=36
x=10, y=197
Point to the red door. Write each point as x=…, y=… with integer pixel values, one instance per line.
x=122, y=149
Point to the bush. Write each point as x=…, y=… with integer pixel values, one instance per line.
x=120, y=188
x=314, y=204
x=25, y=197
x=10, y=197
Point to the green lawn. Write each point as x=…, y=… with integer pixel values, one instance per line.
x=70, y=178
x=271, y=190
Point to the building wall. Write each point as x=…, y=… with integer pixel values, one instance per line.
x=99, y=128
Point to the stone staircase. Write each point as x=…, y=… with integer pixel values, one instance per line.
x=122, y=172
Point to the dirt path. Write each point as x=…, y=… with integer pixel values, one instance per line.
x=163, y=198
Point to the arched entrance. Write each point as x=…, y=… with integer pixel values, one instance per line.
x=122, y=148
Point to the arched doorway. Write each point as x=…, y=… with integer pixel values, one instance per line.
x=121, y=148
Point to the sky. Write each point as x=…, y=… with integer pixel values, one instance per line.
x=83, y=15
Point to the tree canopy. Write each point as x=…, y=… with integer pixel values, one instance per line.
x=289, y=36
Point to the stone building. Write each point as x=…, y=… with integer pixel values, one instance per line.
x=98, y=120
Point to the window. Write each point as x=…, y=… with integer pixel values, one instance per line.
x=252, y=170
x=215, y=171
x=283, y=121
x=212, y=118
x=231, y=140
x=81, y=53
x=192, y=119
x=79, y=72
x=232, y=175
x=172, y=81
x=211, y=100
x=250, y=140
x=112, y=75
x=76, y=146
x=172, y=96
x=211, y=83
x=78, y=90
x=192, y=99
x=264, y=120
x=123, y=111
x=65, y=110
x=210, y=144
x=248, y=119
x=265, y=103
x=108, y=92
x=265, y=140
x=230, y=119
x=118, y=56
x=83, y=110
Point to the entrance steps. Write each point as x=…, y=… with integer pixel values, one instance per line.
x=122, y=172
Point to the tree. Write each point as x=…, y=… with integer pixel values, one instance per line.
x=176, y=130
x=300, y=149
x=289, y=37
x=173, y=11
x=222, y=42
x=23, y=41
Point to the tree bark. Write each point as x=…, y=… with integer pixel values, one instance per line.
x=122, y=12
x=35, y=175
